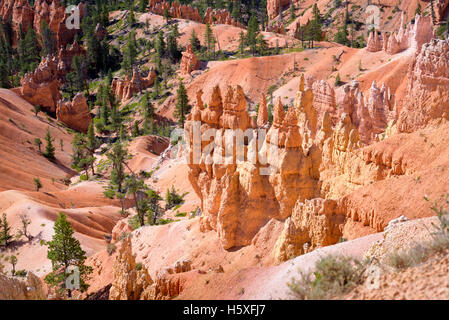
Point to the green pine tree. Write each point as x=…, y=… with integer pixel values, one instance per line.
x=5, y=231
x=48, y=39
x=49, y=148
x=182, y=105
x=64, y=251
x=194, y=41
x=37, y=182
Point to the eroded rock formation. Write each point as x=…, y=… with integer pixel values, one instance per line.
x=189, y=61
x=129, y=283
x=24, y=16
x=240, y=197
x=276, y=27
x=371, y=114
x=13, y=288
x=440, y=9
x=75, y=114
x=427, y=97
x=125, y=89
x=414, y=36
x=181, y=11
x=313, y=224
x=169, y=282
x=273, y=7
x=220, y=16
x=41, y=87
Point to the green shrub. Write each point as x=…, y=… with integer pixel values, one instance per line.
x=111, y=248
x=134, y=222
x=139, y=266
x=172, y=198
x=405, y=259
x=333, y=276
x=21, y=273
x=181, y=214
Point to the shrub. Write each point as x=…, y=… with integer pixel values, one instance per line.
x=134, y=222
x=172, y=198
x=111, y=248
x=405, y=259
x=333, y=276
x=139, y=266
x=123, y=235
x=21, y=273
x=439, y=242
x=181, y=214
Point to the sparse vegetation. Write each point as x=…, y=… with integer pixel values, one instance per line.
x=173, y=198
x=333, y=276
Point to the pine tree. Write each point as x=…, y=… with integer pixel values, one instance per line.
x=118, y=155
x=182, y=104
x=252, y=33
x=82, y=158
x=135, y=132
x=131, y=16
x=262, y=45
x=134, y=187
x=242, y=43
x=432, y=11
x=236, y=10
x=292, y=11
x=37, y=183
x=172, y=48
x=130, y=53
x=49, y=148
x=143, y=4
x=166, y=15
x=28, y=50
x=5, y=231
x=91, y=146
x=156, y=89
x=209, y=38
x=48, y=39
x=194, y=41
x=116, y=119
x=160, y=44
x=77, y=78
x=65, y=251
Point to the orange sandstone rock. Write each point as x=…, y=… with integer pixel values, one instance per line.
x=75, y=114
x=189, y=61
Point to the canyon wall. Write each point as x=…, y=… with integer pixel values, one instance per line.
x=427, y=87
x=317, y=156
x=181, y=11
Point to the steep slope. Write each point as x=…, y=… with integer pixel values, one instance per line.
x=21, y=161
